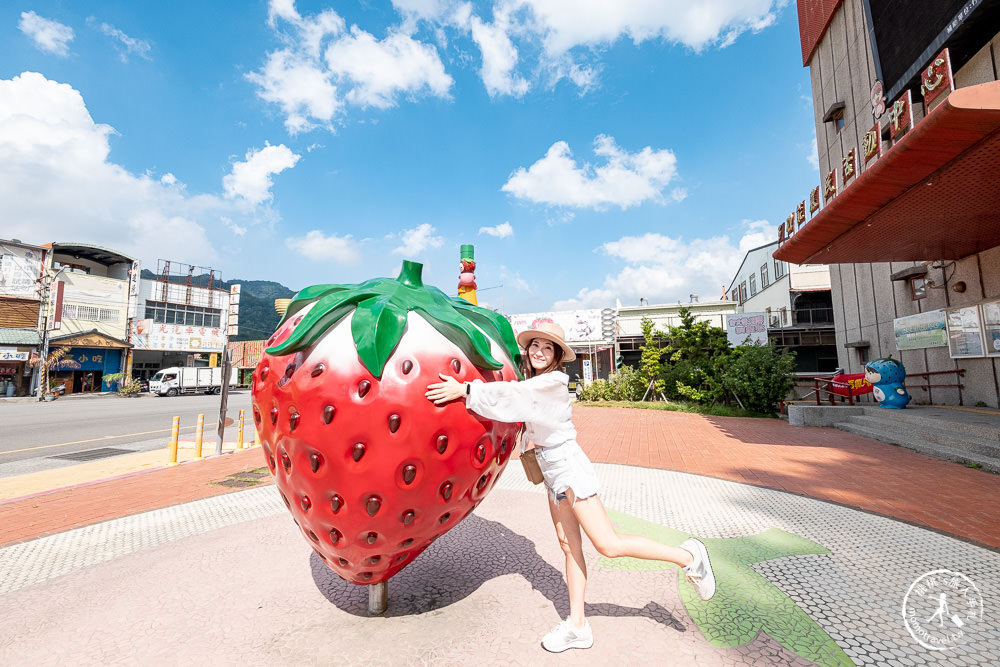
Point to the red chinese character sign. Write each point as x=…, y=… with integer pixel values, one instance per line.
x=901, y=116
x=372, y=471
x=871, y=144
x=936, y=80
x=814, y=201
x=849, y=166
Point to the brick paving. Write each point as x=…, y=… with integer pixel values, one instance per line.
x=821, y=463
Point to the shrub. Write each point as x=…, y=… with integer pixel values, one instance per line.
x=625, y=384
x=759, y=376
x=130, y=388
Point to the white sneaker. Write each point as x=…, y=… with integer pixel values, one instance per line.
x=699, y=573
x=565, y=636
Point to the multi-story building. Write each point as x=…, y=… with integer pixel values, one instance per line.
x=179, y=323
x=90, y=322
x=21, y=285
x=796, y=303
x=907, y=107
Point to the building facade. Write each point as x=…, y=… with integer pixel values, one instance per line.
x=180, y=323
x=90, y=320
x=907, y=214
x=22, y=269
x=796, y=303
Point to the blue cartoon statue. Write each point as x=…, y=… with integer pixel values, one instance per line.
x=886, y=377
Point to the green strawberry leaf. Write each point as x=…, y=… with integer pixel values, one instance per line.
x=380, y=310
x=377, y=327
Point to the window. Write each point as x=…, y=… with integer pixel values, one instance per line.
x=918, y=287
x=90, y=313
x=835, y=115
x=784, y=316
x=779, y=269
x=863, y=355
x=764, y=282
x=177, y=313
x=735, y=295
x=753, y=285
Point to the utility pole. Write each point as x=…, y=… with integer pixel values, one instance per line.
x=44, y=315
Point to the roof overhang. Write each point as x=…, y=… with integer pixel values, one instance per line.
x=932, y=196
x=94, y=253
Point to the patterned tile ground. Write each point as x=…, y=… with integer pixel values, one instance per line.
x=854, y=593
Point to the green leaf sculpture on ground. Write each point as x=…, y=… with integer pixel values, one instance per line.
x=745, y=603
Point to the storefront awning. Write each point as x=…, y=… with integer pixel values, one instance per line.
x=932, y=196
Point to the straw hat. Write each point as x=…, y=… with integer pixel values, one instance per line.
x=548, y=331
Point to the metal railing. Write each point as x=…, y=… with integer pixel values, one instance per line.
x=959, y=372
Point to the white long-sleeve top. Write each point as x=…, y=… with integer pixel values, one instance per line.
x=541, y=402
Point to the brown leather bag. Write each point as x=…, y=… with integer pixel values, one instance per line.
x=531, y=468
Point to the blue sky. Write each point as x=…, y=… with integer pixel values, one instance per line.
x=591, y=151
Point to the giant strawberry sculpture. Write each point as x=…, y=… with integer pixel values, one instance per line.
x=371, y=470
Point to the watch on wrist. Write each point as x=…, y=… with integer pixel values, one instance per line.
x=468, y=388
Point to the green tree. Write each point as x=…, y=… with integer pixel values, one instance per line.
x=696, y=353
x=650, y=364
x=759, y=375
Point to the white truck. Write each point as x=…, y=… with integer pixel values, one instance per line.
x=189, y=380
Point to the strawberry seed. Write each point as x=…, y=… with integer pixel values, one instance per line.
x=317, y=370
x=358, y=451
x=373, y=505
x=335, y=537
x=336, y=503
x=393, y=423
x=446, y=490
x=444, y=518
x=305, y=503
x=363, y=388
x=456, y=365
x=442, y=443
x=409, y=473
x=314, y=461
x=371, y=538
x=408, y=517
x=406, y=543
x=328, y=414
x=407, y=367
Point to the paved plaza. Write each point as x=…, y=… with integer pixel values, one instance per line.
x=819, y=539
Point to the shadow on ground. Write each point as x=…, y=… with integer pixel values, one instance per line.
x=459, y=563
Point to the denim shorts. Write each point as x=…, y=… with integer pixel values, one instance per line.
x=564, y=467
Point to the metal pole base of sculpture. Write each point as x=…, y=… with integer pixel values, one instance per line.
x=378, y=598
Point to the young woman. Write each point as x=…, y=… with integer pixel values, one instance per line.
x=542, y=402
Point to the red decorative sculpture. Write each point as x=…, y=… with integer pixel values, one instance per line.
x=372, y=471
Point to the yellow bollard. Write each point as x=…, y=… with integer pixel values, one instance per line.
x=256, y=438
x=239, y=432
x=174, y=431
x=198, y=432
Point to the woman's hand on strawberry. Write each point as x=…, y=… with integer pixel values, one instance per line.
x=448, y=390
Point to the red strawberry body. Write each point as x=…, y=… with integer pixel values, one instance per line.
x=371, y=470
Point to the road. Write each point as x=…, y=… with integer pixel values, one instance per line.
x=32, y=433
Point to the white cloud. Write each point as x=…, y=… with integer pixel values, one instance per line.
x=564, y=25
x=323, y=68
x=126, y=45
x=319, y=247
x=499, y=58
x=47, y=35
x=379, y=71
x=501, y=231
x=625, y=180
x=56, y=179
x=416, y=240
x=664, y=269
x=251, y=179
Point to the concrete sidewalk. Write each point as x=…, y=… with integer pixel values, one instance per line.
x=182, y=570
